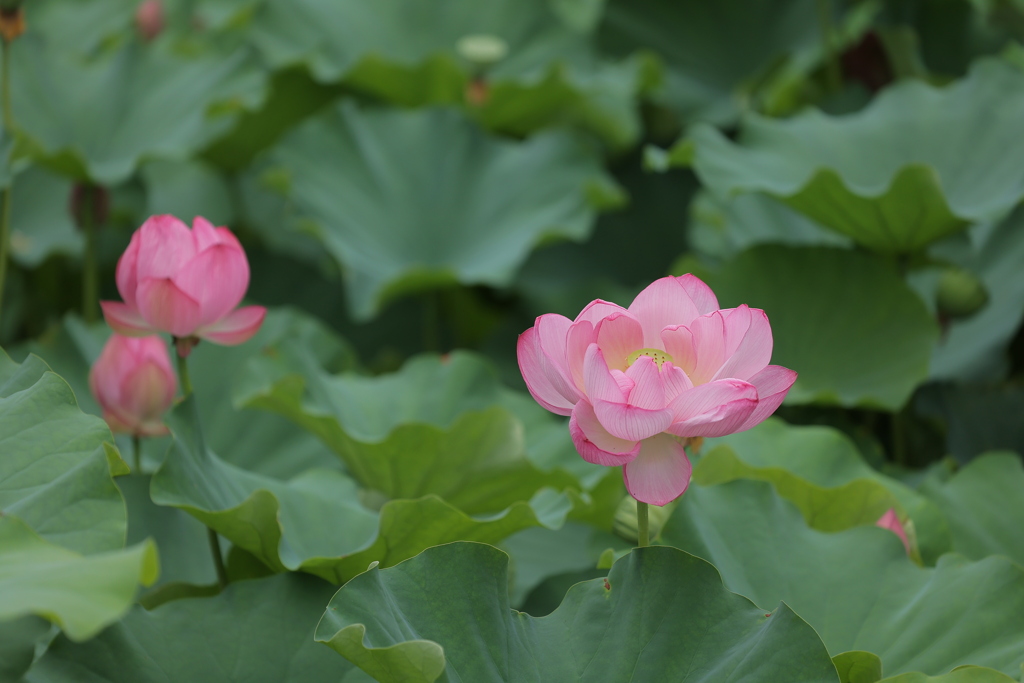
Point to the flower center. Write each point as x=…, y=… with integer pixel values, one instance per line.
x=657, y=355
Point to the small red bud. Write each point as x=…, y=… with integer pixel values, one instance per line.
x=477, y=92
x=149, y=19
x=12, y=22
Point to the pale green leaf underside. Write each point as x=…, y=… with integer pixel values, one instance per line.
x=916, y=164
x=81, y=594
x=366, y=183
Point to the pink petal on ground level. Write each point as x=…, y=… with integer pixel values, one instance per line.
x=125, y=320
x=536, y=373
x=678, y=343
x=217, y=278
x=165, y=245
x=126, y=271
x=772, y=385
x=236, y=327
x=648, y=390
x=619, y=335
x=594, y=443
x=713, y=409
x=708, y=345
x=661, y=304
x=701, y=295
x=167, y=308
x=753, y=352
x=891, y=521
x=660, y=473
x=597, y=310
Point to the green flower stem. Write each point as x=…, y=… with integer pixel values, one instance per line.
x=90, y=271
x=218, y=556
x=833, y=71
x=643, y=537
x=5, y=216
x=137, y=453
x=183, y=379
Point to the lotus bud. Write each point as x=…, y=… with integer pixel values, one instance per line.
x=12, y=19
x=149, y=19
x=626, y=525
x=891, y=521
x=89, y=203
x=133, y=382
x=961, y=294
x=482, y=50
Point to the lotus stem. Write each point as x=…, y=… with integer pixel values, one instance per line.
x=218, y=558
x=642, y=534
x=5, y=216
x=137, y=453
x=833, y=70
x=90, y=271
x=183, y=379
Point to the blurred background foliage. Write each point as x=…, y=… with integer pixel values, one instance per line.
x=411, y=177
x=851, y=167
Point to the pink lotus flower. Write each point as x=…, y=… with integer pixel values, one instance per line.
x=133, y=382
x=185, y=282
x=891, y=521
x=633, y=380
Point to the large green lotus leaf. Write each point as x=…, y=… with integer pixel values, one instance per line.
x=963, y=674
x=55, y=473
x=724, y=57
x=187, y=188
x=259, y=631
x=97, y=120
x=821, y=471
x=660, y=615
x=435, y=427
x=407, y=200
x=265, y=444
x=894, y=176
x=857, y=588
x=79, y=593
x=41, y=223
x=973, y=349
x=843, y=319
x=722, y=228
x=315, y=522
x=405, y=53
x=984, y=506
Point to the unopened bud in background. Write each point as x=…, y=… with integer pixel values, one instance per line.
x=149, y=19
x=12, y=19
x=133, y=382
x=960, y=294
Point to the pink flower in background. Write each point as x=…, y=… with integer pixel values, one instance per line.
x=184, y=282
x=633, y=380
x=891, y=521
x=149, y=19
x=133, y=382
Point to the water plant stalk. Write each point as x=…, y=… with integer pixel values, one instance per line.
x=5, y=215
x=137, y=453
x=90, y=269
x=642, y=534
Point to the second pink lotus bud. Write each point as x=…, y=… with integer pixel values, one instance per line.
x=134, y=384
x=149, y=19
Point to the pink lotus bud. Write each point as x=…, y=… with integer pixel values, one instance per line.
x=891, y=521
x=149, y=19
x=184, y=282
x=639, y=381
x=133, y=382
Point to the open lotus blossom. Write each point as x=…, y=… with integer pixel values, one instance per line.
x=133, y=382
x=184, y=282
x=891, y=521
x=636, y=379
